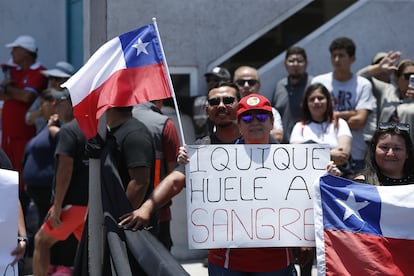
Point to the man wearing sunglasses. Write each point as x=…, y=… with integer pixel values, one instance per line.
x=255, y=119
x=221, y=108
x=202, y=125
x=247, y=80
x=222, y=103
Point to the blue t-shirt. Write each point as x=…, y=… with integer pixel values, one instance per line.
x=39, y=165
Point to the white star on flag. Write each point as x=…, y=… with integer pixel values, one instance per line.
x=141, y=47
x=352, y=207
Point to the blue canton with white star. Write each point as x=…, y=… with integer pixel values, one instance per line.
x=350, y=206
x=141, y=47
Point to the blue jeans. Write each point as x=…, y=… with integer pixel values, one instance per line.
x=214, y=270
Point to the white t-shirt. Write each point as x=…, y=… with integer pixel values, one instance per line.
x=321, y=133
x=277, y=124
x=354, y=94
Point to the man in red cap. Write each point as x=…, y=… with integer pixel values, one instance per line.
x=255, y=119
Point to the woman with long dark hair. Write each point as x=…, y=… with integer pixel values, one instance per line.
x=319, y=124
x=390, y=158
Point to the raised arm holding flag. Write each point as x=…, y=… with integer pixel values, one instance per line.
x=127, y=70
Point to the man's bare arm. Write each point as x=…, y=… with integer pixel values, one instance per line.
x=356, y=119
x=138, y=185
x=170, y=186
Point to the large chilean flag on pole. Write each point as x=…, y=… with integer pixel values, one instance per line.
x=363, y=229
x=125, y=71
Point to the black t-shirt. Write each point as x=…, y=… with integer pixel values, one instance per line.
x=71, y=142
x=5, y=162
x=135, y=147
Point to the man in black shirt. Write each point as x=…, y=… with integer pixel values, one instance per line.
x=70, y=191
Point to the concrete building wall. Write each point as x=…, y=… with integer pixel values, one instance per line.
x=374, y=25
x=45, y=20
x=197, y=34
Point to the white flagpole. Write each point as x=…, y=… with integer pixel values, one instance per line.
x=180, y=125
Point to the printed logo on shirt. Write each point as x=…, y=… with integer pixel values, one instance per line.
x=343, y=101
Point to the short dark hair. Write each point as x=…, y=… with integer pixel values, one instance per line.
x=343, y=43
x=296, y=50
x=229, y=84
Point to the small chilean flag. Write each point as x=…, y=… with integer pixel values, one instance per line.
x=363, y=229
x=125, y=71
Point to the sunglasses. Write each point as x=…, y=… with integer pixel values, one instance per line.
x=224, y=100
x=251, y=82
x=407, y=75
x=261, y=117
x=399, y=126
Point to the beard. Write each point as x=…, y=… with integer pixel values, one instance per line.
x=296, y=76
x=224, y=124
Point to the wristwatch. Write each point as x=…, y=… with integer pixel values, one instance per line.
x=25, y=239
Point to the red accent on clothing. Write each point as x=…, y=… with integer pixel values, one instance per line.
x=264, y=259
x=170, y=138
x=15, y=132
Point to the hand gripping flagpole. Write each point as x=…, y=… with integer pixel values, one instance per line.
x=180, y=126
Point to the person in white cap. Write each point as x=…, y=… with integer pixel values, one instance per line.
x=56, y=76
x=25, y=83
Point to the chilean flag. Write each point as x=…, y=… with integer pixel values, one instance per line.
x=125, y=71
x=363, y=229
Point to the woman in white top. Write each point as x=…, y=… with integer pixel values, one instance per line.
x=319, y=124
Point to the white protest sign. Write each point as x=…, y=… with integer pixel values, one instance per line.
x=252, y=195
x=9, y=185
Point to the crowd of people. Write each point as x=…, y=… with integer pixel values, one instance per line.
x=364, y=117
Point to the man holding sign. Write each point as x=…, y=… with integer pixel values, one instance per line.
x=255, y=124
x=221, y=108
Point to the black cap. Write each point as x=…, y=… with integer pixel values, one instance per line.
x=220, y=72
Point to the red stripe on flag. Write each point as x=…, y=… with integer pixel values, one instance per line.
x=125, y=87
x=348, y=253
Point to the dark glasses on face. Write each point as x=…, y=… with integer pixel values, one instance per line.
x=251, y=82
x=218, y=100
x=407, y=75
x=399, y=126
x=249, y=118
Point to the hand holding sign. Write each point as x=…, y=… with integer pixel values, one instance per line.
x=252, y=195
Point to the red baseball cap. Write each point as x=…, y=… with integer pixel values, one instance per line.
x=253, y=102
